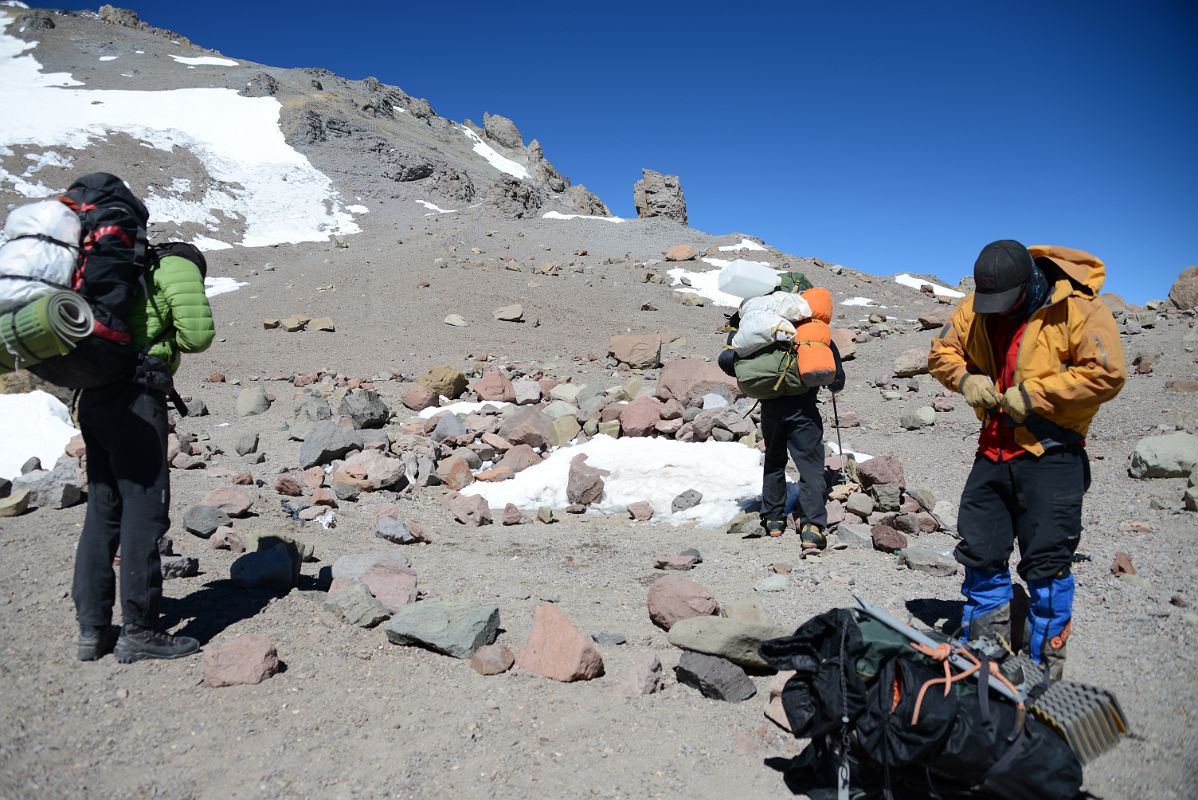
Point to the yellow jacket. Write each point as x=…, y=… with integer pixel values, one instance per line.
x=1070, y=360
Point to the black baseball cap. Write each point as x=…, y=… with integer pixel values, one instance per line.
x=999, y=275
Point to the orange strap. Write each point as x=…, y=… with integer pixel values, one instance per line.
x=941, y=653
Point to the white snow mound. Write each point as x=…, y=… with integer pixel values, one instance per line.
x=560, y=215
x=727, y=474
x=35, y=424
x=910, y=280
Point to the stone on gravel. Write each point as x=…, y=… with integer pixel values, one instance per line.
x=226, y=538
x=351, y=568
x=682, y=377
x=911, y=362
x=233, y=502
x=203, y=520
x=57, y=488
x=471, y=510
x=860, y=504
x=557, y=650
x=682, y=252
x=419, y=397
x=1184, y=292
x=1173, y=455
x=381, y=471
x=564, y=430
x=396, y=532
x=638, y=352
x=888, y=540
x=855, y=536
x=881, y=469
x=252, y=400
x=527, y=426
x=492, y=659
x=365, y=408
x=922, y=417
x=923, y=559
x=1122, y=565
x=641, y=511
x=745, y=524
x=271, y=569
x=455, y=628
x=642, y=677
x=445, y=381
x=510, y=313
x=248, y=659
x=640, y=417
x=519, y=458
x=527, y=391
x=246, y=444
x=357, y=606
x=686, y=500
x=494, y=386
x=773, y=583
x=15, y=504
x=326, y=442
x=936, y=318
x=715, y=678
x=392, y=585
x=179, y=567
x=673, y=598
x=727, y=637
x=678, y=563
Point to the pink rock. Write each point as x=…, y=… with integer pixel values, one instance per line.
x=314, y=477
x=496, y=441
x=312, y=513
x=184, y=461
x=881, y=469
x=527, y=426
x=519, y=458
x=381, y=471
x=843, y=340
x=455, y=473
x=492, y=659
x=495, y=475
x=673, y=597
x=513, y=515
x=584, y=484
x=557, y=650
x=324, y=497
x=641, y=511
x=642, y=678
x=226, y=538
x=245, y=660
x=288, y=486
x=836, y=513
x=681, y=252
x=419, y=397
x=638, y=352
x=681, y=376
x=942, y=404
x=639, y=417
x=233, y=502
x=75, y=447
x=391, y=584
x=668, y=427
x=472, y=510
x=671, y=409
x=173, y=447
x=495, y=386
x=774, y=711
x=927, y=523
x=887, y=539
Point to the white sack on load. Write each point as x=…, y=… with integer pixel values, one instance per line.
x=760, y=329
x=782, y=304
x=31, y=267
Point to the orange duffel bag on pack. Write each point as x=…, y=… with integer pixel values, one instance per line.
x=813, y=340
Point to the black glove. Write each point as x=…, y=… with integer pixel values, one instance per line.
x=727, y=362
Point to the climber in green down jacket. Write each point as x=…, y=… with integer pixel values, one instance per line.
x=124, y=427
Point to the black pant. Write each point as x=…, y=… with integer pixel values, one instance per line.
x=128, y=502
x=793, y=424
x=1035, y=500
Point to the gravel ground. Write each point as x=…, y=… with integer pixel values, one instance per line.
x=353, y=716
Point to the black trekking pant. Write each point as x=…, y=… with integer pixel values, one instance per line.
x=1037, y=501
x=793, y=424
x=124, y=427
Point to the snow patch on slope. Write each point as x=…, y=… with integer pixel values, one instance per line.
x=560, y=215
x=941, y=291
x=35, y=424
x=499, y=162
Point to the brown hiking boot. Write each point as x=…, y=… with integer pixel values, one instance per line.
x=812, y=537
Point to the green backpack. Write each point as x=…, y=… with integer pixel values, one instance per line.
x=773, y=371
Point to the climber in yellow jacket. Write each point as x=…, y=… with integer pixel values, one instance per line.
x=1035, y=352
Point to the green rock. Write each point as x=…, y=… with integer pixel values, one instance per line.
x=454, y=627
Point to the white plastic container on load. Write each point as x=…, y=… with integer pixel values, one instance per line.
x=747, y=278
x=31, y=267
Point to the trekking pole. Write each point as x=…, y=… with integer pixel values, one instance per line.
x=844, y=463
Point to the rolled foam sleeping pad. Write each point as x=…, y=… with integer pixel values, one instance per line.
x=46, y=328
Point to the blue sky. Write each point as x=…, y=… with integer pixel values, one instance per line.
x=886, y=136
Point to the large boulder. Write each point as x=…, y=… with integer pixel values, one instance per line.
x=495, y=386
x=673, y=598
x=1184, y=293
x=327, y=441
x=444, y=380
x=514, y=198
x=1173, y=455
x=881, y=470
x=454, y=627
x=683, y=377
x=527, y=426
x=715, y=678
x=732, y=638
x=502, y=130
x=365, y=408
x=557, y=650
x=659, y=195
x=638, y=352
x=584, y=201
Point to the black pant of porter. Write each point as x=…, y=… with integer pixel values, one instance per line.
x=792, y=424
x=124, y=427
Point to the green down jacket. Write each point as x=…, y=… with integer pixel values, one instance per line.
x=177, y=305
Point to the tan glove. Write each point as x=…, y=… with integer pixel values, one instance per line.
x=979, y=391
x=1015, y=404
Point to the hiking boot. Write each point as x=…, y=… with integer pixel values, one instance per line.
x=774, y=527
x=95, y=641
x=138, y=643
x=812, y=537
x=994, y=626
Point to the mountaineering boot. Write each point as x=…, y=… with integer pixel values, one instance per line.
x=95, y=641
x=774, y=527
x=987, y=604
x=1049, y=621
x=138, y=643
x=812, y=537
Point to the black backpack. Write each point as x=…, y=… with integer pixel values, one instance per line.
x=113, y=258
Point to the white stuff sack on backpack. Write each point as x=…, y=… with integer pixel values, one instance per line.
x=39, y=252
x=789, y=306
x=768, y=319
